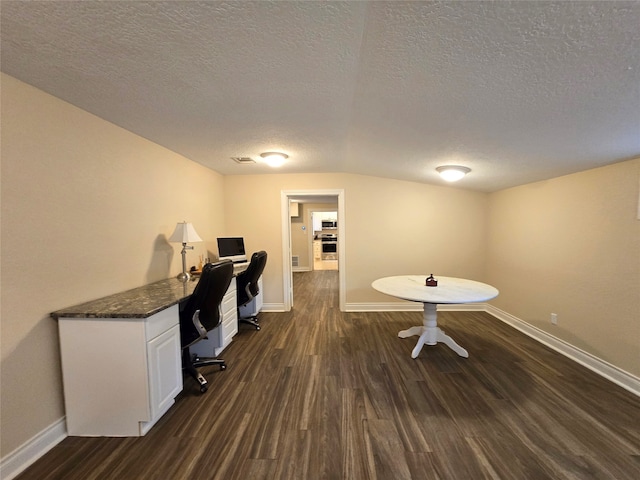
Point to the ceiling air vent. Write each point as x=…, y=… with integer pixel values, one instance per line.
x=243, y=160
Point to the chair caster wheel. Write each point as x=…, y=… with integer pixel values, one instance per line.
x=223, y=367
x=257, y=327
x=204, y=388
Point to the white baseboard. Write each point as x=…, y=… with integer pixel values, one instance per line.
x=384, y=307
x=463, y=307
x=272, y=307
x=17, y=461
x=300, y=269
x=412, y=307
x=612, y=373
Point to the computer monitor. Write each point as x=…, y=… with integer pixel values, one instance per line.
x=232, y=248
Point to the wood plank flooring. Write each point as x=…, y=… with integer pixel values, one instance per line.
x=320, y=394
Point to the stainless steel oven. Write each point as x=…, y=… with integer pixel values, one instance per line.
x=329, y=246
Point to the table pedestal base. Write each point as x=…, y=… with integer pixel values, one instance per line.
x=431, y=334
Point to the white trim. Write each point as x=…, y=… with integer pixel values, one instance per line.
x=413, y=307
x=22, y=457
x=384, y=307
x=302, y=269
x=287, y=281
x=612, y=373
x=272, y=307
x=463, y=307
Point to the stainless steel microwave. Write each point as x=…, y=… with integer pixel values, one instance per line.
x=326, y=224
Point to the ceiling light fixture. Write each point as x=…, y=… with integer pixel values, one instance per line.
x=274, y=159
x=452, y=173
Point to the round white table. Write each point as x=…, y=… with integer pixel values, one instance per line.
x=448, y=290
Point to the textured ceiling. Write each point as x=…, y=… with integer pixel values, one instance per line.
x=517, y=91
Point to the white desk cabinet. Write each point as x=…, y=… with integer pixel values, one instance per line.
x=121, y=356
x=120, y=375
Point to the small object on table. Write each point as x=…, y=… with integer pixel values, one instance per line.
x=431, y=282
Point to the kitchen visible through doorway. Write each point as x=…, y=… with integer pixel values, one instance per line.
x=325, y=240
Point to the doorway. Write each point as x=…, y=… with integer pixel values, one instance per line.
x=323, y=237
x=328, y=197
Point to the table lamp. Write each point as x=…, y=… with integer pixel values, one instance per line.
x=184, y=233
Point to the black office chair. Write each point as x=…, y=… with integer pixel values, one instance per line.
x=200, y=313
x=247, y=283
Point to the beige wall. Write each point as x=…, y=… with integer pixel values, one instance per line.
x=571, y=246
x=300, y=237
x=86, y=210
x=391, y=227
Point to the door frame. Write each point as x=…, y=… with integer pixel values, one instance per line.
x=287, y=269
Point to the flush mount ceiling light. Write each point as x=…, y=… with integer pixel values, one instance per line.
x=274, y=159
x=452, y=173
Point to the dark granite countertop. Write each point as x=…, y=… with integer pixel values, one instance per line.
x=141, y=302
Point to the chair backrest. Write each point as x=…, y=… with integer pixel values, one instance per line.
x=247, y=281
x=201, y=312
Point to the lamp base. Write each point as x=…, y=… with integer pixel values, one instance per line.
x=183, y=277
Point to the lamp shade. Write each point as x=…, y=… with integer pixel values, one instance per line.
x=185, y=233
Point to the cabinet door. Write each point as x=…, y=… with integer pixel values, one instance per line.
x=165, y=370
x=294, y=211
x=317, y=221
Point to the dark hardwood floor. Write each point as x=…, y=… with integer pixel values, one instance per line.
x=320, y=394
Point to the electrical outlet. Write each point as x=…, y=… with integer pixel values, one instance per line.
x=554, y=318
